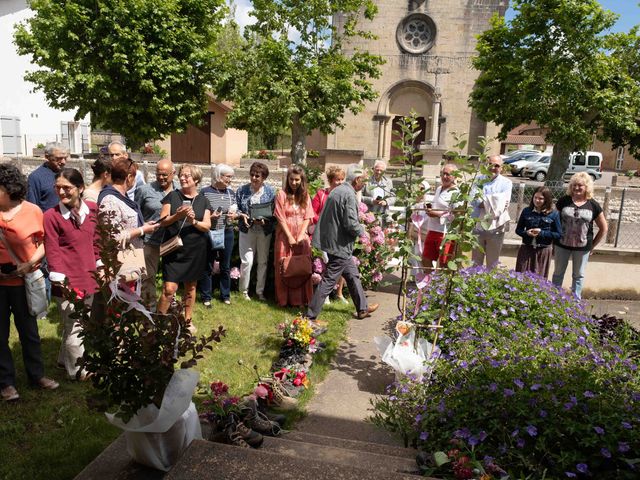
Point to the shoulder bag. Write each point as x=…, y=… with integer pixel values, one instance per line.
x=173, y=244
x=34, y=285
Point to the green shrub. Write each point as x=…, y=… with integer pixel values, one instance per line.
x=524, y=378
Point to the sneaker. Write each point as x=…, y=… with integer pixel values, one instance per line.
x=47, y=384
x=258, y=421
x=327, y=301
x=366, y=313
x=207, y=304
x=239, y=429
x=9, y=394
x=246, y=296
x=342, y=300
x=227, y=302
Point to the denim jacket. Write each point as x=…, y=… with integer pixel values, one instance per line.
x=243, y=197
x=549, y=225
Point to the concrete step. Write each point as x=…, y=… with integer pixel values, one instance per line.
x=339, y=456
x=390, y=450
x=205, y=460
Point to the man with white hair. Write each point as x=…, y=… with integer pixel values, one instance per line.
x=41, y=182
x=117, y=150
x=336, y=232
x=378, y=191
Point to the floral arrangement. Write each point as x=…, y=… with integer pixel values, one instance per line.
x=219, y=403
x=298, y=378
x=371, y=253
x=526, y=380
x=297, y=332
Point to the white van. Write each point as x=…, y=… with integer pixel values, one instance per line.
x=590, y=162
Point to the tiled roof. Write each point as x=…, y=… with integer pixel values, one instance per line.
x=525, y=140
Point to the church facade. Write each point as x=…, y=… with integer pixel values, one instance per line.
x=427, y=46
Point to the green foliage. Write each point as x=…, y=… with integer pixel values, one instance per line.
x=277, y=83
x=315, y=181
x=139, y=67
x=130, y=356
x=523, y=376
x=554, y=63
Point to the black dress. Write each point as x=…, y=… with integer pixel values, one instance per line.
x=186, y=264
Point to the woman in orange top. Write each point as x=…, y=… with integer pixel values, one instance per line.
x=23, y=231
x=294, y=213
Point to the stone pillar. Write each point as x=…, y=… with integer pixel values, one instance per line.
x=435, y=120
x=383, y=120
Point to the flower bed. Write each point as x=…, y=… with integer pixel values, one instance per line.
x=526, y=381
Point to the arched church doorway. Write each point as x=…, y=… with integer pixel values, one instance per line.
x=396, y=134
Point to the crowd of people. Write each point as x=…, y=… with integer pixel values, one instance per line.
x=186, y=231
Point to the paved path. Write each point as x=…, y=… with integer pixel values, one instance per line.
x=341, y=403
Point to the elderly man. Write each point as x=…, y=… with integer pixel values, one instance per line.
x=378, y=191
x=40, y=185
x=149, y=197
x=118, y=150
x=494, y=209
x=336, y=232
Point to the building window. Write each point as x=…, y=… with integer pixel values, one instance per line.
x=619, y=158
x=416, y=33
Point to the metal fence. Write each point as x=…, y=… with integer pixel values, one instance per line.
x=621, y=209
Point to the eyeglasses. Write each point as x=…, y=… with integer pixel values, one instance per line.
x=227, y=175
x=255, y=175
x=185, y=175
x=59, y=159
x=65, y=188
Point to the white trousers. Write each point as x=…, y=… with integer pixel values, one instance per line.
x=254, y=245
x=71, y=347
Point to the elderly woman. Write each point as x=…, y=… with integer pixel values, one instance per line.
x=224, y=207
x=116, y=207
x=255, y=230
x=186, y=213
x=101, y=177
x=21, y=249
x=294, y=213
x=69, y=233
x=378, y=191
x=335, y=177
x=578, y=212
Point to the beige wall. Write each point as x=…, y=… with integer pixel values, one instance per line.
x=458, y=22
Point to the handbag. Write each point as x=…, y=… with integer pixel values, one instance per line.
x=216, y=238
x=34, y=285
x=133, y=266
x=296, y=266
x=260, y=211
x=173, y=244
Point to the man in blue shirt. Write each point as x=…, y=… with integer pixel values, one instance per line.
x=493, y=209
x=40, y=185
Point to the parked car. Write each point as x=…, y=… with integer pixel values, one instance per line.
x=518, y=155
x=577, y=163
x=518, y=166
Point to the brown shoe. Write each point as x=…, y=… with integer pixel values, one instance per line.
x=9, y=394
x=47, y=384
x=366, y=313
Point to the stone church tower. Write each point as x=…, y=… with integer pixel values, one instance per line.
x=427, y=46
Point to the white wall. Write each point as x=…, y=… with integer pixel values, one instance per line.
x=38, y=122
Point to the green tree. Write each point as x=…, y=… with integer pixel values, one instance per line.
x=553, y=64
x=305, y=83
x=139, y=67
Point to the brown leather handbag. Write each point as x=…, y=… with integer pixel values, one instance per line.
x=296, y=269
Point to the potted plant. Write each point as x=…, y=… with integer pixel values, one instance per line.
x=38, y=151
x=139, y=362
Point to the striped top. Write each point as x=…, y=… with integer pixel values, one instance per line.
x=224, y=198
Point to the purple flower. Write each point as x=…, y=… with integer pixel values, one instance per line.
x=626, y=425
x=532, y=430
x=582, y=467
x=543, y=413
x=623, y=447
x=570, y=474
x=508, y=392
x=473, y=441
x=520, y=443
x=462, y=433
x=493, y=387
x=589, y=394
x=599, y=430
x=424, y=435
x=605, y=453
x=519, y=383
x=535, y=386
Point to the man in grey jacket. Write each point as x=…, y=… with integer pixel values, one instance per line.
x=335, y=234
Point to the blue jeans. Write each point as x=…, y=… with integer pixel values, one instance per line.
x=579, y=259
x=224, y=258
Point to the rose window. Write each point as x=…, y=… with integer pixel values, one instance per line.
x=416, y=33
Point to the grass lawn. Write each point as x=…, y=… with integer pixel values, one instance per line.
x=53, y=435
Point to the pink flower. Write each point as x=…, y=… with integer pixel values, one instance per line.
x=365, y=239
x=235, y=273
x=316, y=278
x=378, y=239
x=297, y=382
x=362, y=208
x=376, y=230
x=368, y=248
x=376, y=277
x=216, y=267
x=356, y=262
x=79, y=293
x=318, y=265
x=369, y=217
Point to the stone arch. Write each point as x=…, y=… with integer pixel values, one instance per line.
x=397, y=101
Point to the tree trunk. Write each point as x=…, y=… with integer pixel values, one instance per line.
x=558, y=165
x=298, y=142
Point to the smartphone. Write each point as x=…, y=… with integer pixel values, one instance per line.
x=161, y=219
x=429, y=205
x=186, y=202
x=219, y=210
x=379, y=197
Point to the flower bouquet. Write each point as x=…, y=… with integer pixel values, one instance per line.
x=297, y=333
x=372, y=252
